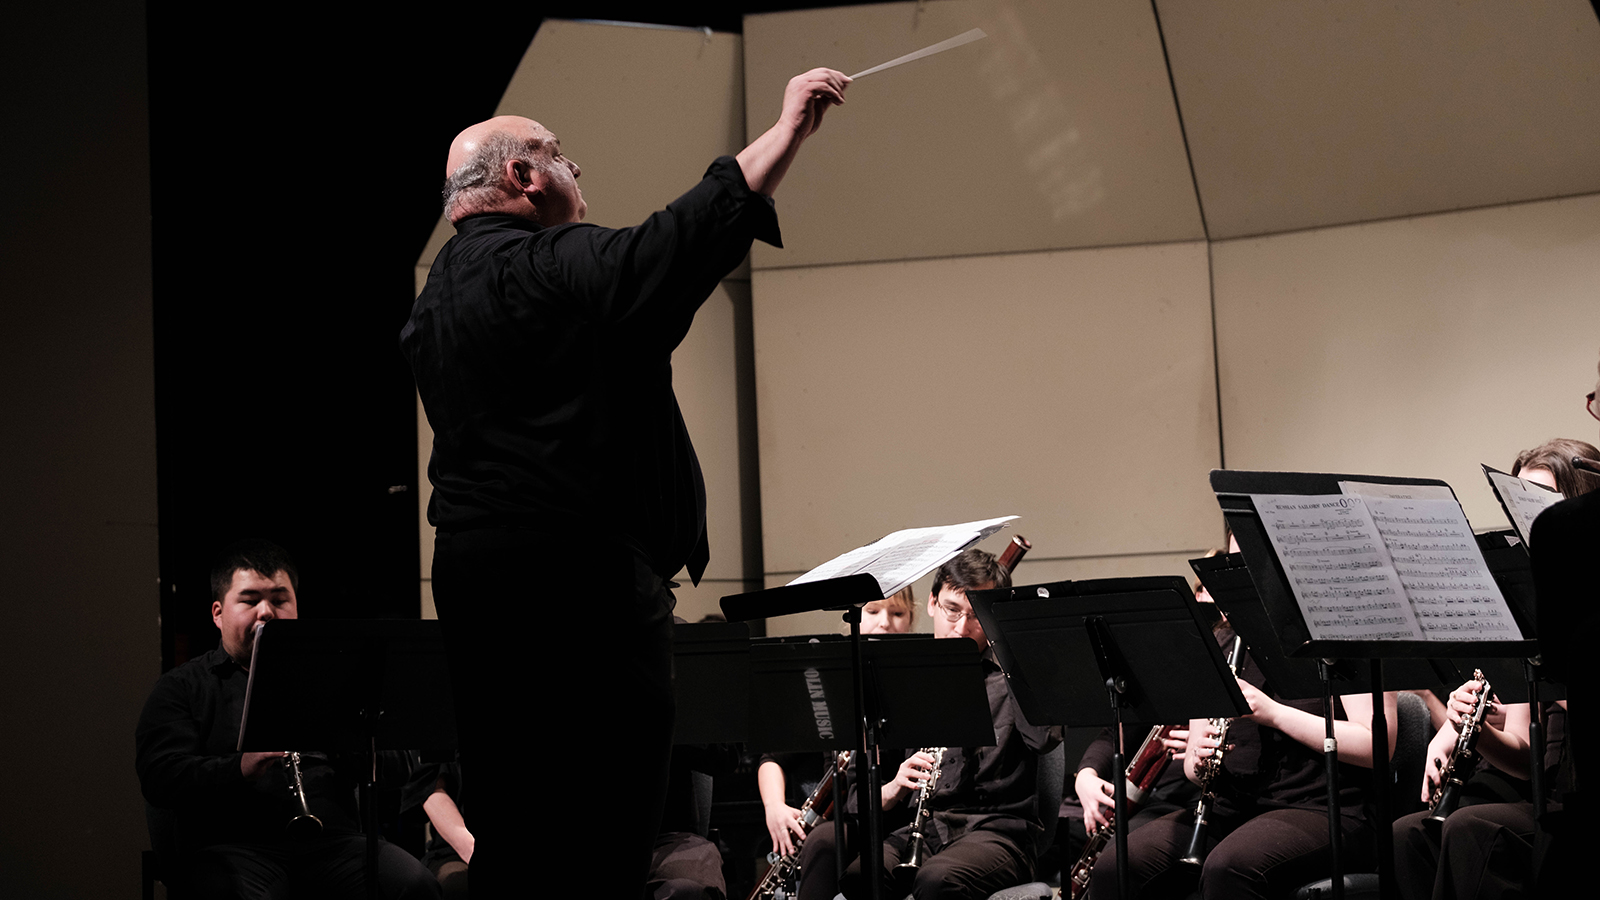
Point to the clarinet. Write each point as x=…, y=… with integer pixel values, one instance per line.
x=775, y=884
x=918, y=843
x=1206, y=773
x=1447, y=793
x=303, y=826
x=1143, y=772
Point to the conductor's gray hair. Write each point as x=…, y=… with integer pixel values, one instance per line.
x=478, y=179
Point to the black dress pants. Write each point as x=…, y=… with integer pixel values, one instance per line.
x=332, y=867
x=561, y=668
x=1268, y=855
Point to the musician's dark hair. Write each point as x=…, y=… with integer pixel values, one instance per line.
x=255, y=555
x=1556, y=455
x=970, y=571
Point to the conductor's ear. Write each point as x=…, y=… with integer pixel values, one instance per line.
x=519, y=175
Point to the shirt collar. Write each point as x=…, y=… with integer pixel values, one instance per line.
x=490, y=221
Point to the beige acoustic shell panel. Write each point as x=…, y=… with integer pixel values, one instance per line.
x=644, y=133
x=1056, y=131
x=1074, y=389
x=1302, y=114
x=1416, y=347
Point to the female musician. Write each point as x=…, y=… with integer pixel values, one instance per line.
x=891, y=615
x=1484, y=847
x=1268, y=830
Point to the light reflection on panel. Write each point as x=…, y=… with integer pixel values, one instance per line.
x=1417, y=347
x=1307, y=114
x=1058, y=130
x=1074, y=389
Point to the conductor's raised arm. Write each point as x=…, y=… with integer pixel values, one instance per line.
x=806, y=98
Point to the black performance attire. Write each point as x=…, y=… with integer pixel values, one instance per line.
x=1562, y=547
x=1268, y=832
x=1485, y=848
x=439, y=857
x=1171, y=793
x=228, y=831
x=565, y=493
x=985, y=823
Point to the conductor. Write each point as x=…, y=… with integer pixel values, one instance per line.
x=566, y=493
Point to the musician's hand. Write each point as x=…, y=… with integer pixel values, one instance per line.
x=254, y=763
x=1263, y=709
x=783, y=824
x=1439, y=750
x=1098, y=798
x=1176, y=741
x=907, y=779
x=1465, y=697
x=1202, y=741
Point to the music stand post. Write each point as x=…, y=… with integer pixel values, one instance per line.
x=1066, y=645
x=848, y=594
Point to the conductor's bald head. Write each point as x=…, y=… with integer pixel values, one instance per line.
x=514, y=166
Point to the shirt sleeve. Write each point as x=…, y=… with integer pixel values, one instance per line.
x=654, y=275
x=174, y=772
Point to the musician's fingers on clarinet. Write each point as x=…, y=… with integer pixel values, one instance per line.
x=1177, y=740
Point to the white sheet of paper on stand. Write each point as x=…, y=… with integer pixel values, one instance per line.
x=1337, y=566
x=898, y=559
x=1523, y=500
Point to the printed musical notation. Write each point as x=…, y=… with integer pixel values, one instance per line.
x=1372, y=565
x=1522, y=500
x=1337, y=566
x=1437, y=560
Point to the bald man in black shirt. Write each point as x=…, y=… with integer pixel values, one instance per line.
x=563, y=474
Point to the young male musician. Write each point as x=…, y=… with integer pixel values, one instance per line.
x=228, y=811
x=984, y=809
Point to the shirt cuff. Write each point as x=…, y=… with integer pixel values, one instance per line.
x=762, y=213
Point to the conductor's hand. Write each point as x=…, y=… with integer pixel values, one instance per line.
x=808, y=96
x=1439, y=750
x=783, y=824
x=908, y=778
x=254, y=763
x=1098, y=798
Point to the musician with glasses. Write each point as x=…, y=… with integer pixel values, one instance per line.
x=984, y=818
x=220, y=817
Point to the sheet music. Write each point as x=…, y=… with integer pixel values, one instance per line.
x=1370, y=489
x=900, y=558
x=1523, y=500
x=1443, y=571
x=1338, y=568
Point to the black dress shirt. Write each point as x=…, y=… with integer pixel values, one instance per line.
x=544, y=360
x=186, y=762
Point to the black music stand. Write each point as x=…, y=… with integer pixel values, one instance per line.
x=711, y=682
x=1065, y=645
x=847, y=594
x=349, y=685
x=1233, y=490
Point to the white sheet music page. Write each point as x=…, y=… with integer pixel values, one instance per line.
x=900, y=558
x=1522, y=499
x=1340, y=573
x=1443, y=571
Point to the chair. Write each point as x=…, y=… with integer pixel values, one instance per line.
x=1413, y=731
x=1052, y=779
